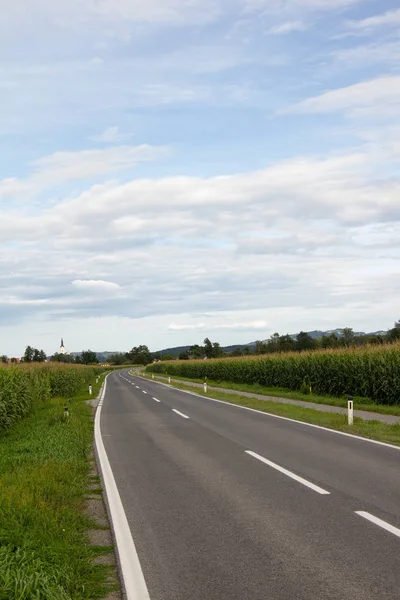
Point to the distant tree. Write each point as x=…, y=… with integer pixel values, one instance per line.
x=4, y=359
x=348, y=336
x=208, y=348
x=286, y=343
x=139, y=355
x=261, y=347
x=273, y=343
x=87, y=357
x=63, y=358
x=329, y=341
x=247, y=350
x=28, y=354
x=305, y=342
x=237, y=352
x=184, y=355
x=168, y=357
x=117, y=359
x=196, y=351
x=394, y=334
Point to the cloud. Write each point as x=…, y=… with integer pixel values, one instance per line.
x=382, y=93
x=288, y=27
x=368, y=54
x=220, y=325
x=61, y=167
x=283, y=6
x=95, y=286
x=390, y=18
x=111, y=135
x=177, y=327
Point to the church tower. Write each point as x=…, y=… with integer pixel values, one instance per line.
x=62, y=348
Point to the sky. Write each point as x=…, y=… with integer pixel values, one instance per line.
x=176, y=169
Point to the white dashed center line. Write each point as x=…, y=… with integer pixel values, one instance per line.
x=378, y=522
x=180, y=414
x=288, y=473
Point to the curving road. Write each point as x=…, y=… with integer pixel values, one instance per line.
x=225, y=503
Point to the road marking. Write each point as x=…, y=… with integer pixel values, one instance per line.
x=137, y=387
x=378, y=522
x=156, y=400
x=132, y=574
x=180, y=414
x=144, y=392
x=288, y=473
x=267, y=414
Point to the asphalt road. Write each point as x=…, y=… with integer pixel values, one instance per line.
x=230, y=504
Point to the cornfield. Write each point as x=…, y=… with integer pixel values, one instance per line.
x=369, y=372
x=22, y=387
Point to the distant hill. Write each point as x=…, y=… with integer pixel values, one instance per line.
x=316, y=335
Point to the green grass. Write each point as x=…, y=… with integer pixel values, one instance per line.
x=359, y=403
x=374, y=430
x=44, y=477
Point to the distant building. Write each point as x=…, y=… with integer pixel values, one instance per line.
x=62, y=347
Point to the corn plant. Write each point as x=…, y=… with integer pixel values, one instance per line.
x=370, y=372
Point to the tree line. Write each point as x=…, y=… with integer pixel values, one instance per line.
x=141, y=355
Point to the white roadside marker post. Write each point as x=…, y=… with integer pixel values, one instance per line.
x=152, y=376
x=350, y=410
x=66, y=412
x=90, y=389
x=169, y=379
x=205, y=387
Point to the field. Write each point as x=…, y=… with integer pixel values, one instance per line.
x=24, y=387
x=370, y=372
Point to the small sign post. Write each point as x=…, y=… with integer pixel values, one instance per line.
x=350, y=410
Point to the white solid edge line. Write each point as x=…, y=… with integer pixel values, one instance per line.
x=132, y=574
x=156, y=400
x=301, y=480
x=180, y=414
x=378, y=522
x=267, y=414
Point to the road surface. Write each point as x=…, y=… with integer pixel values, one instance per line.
x=225, y=503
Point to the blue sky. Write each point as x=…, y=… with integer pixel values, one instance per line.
x=181, y=168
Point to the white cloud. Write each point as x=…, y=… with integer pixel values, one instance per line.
x=390, y=18
x=177, y=327
x=382, y=93
x=369, y=54
x=61, y=167
x=288, y=27
x=111, y=135
x=95, y=286
x=211, y=325
x=282, y=6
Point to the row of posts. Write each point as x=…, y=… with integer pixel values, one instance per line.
x=350, y=399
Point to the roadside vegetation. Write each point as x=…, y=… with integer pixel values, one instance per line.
x=25, y=387
x=45, y=461
x=369, y=373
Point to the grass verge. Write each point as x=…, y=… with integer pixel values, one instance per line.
x=374, y=430
x=359, y=403
x=45, y=552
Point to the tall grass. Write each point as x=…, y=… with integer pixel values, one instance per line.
x=370, y=372
x=22, y=387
